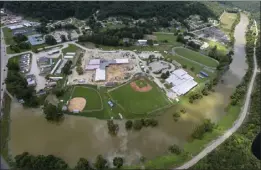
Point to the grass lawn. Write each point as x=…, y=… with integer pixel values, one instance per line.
x=192, y=55
x=189, y=64
x=71, y=48
x=170, y=38
x=227, y=21
x=92, y=96
x=220, y=47
x=8, y=36
x=4, y=124
x=139, y=102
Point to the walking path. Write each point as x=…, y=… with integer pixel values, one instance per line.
x=236, y=125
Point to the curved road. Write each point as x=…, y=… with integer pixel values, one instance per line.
x=237, y=123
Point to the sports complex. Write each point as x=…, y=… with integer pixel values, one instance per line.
x=138, y=97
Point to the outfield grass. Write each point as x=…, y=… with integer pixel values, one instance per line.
x=8, y=36
x=192, y=55
x=139, y=102
x=4, y=124
x=227, y=20
x=92, y=96
x=105, y=113
x=70, y=49
x=170, y=38
x=189, y=64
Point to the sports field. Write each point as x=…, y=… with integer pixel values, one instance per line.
x=139, y=97
x=227, y=20
x=91, y=95
x=192, y=55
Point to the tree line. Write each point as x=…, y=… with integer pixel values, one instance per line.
x=17, y=84
x=82, y=10
x=21, y=43
x=26, y=161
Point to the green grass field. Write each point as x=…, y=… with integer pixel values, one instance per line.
x=170, y=38
x=139, y=102
x=71, y=48
x=227, y=20
x=92, y=96
x=8, y=36
x=192, y=55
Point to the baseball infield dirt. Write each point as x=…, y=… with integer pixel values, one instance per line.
x=77, y=103
x=140, y=89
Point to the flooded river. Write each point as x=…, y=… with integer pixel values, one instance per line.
x=86, y=137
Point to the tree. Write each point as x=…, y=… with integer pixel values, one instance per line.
x=18, y=38
x=52, y=113
x=112, y=127
x=50, y=40
x=192, y=68
x=79, y=70
x=118, y=162
x=63, y=38
x=184, y=66
x=137, y=124
x=67, y=68
x=101, y=163
x=175, y=149
x=128, y=124
x=176, y=116
x=83, y=164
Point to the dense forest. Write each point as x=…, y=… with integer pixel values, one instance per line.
x=82, y=10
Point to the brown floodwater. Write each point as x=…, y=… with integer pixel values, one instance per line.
x=87, y=137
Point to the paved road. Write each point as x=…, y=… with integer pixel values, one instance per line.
x=3, y=62
x=236, y=125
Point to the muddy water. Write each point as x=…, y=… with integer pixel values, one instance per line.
x=85, y=137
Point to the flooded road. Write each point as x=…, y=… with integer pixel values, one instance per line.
x=85, y=137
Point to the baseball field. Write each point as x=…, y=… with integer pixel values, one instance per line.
x=140, y=96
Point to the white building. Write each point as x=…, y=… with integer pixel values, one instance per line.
x=204, y=46
x=181, y=81
x=142, y=42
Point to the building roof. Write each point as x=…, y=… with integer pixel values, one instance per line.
x=69, y=56
x=142, y=41
x=94, y=62
x=13, y=27
x=100, y=75
x=43, y=59
x=182, y=82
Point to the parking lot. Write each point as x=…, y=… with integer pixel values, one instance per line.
x=25, y=62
